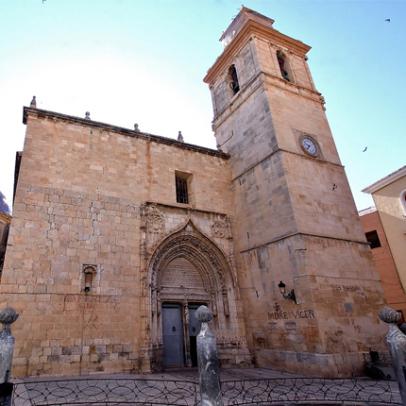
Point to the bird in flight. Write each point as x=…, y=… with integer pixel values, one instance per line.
x=387, y=20
x=364, y=149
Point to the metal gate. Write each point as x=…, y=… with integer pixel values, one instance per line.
x=107, y=392
x=248, y=392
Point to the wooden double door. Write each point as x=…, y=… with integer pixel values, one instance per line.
x=180, y=328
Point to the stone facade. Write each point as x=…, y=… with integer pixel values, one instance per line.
x=87, y=195
x=100, y=251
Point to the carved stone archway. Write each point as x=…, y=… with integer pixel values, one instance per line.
x=217, y=288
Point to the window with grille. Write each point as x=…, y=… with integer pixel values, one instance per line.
x=373, y=239
x=182, y=195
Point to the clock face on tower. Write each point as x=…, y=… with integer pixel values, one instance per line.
x=309, y=146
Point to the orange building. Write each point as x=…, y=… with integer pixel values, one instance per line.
x=382, y=257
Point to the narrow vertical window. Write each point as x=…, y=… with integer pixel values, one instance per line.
x=283, y=65
x=233, y=78
x=182, y=195
x=89, y=273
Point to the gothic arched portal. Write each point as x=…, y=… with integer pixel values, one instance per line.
x=186, y=270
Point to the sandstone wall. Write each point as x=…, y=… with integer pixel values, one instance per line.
x=78, y=201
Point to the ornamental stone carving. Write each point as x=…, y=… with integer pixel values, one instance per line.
x=7, y=317
x=208, y=362
x=396, y=341
x=220, y=229
x=152, y=219
x=195, y=247
x=388, y=315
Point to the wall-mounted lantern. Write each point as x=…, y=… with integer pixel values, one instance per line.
x=89, y=273
x=286, y=293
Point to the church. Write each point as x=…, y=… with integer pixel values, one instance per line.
x=119, y=235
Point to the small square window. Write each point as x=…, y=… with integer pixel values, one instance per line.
x=373, y=239
x=182, y=187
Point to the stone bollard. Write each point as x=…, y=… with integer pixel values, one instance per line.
x=397, y=347
x=7, y=317
x=207, y=360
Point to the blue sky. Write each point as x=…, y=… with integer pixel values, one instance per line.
x=130, y=61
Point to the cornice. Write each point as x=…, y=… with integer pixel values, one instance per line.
x=46, y=114
x=302, y=234
x=250, y=29
x=368, y=210
x=321, y=161
x=268, y=79
x=186, y=208
x=387, y=180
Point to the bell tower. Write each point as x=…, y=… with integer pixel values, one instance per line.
x=306, y=277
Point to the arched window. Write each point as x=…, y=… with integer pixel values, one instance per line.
x=283, y=66
x=89, y=273
x=233, y=79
